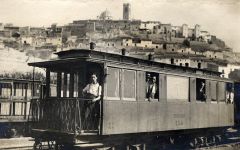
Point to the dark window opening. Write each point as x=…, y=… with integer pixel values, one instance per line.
x=187, y=64
x=152, y=86
x=229, y=93
x=164, y=46
x=165, y=30
x=200, y=89
x=173, y=50
x=172, y=61
x=180, y=64
x=199, y=65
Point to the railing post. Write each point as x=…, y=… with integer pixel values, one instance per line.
x=59, y=84
x=71, y=85
x=65, y=84
x=47, y=82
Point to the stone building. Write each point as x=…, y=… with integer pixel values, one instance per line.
x=1, y=26
x=185, y=30
x=197, y=31
x=126, y=11
x=205, y=36
x=10, y=30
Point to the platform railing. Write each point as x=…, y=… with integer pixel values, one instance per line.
x=68, y=115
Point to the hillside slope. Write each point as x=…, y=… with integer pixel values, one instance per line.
x=12, y=61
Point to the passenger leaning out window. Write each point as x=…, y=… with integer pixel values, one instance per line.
x=152, y=88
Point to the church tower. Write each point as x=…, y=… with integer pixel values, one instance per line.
x=126, y=11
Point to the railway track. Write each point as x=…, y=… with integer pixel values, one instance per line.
x=227, y=146
x=26, y=143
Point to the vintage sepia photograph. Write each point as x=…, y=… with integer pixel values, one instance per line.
x=119, y=74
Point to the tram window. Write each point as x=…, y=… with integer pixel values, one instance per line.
x=37, y=90
x=201, y=89
x=65, y=84
x=29, y=89
x=113, y=84
x=221, y=91
x=68, y=85
x=53, y=84
x=177, y=88
x=229, y=92
x=75, y=93
x=152, y=86
x=18, y=89
x=5, y=90
x=213, y=90
x=129, y=85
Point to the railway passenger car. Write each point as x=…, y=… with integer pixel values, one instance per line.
x=15, y=99
x=186, y=100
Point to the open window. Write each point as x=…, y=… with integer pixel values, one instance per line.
x=229, y=93
x=152, y=86
x=201, y=89
x=53, y=84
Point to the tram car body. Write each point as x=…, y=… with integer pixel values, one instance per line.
x=124, y=108
x=15, y=102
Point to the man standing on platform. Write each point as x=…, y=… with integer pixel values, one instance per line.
x=92, y=92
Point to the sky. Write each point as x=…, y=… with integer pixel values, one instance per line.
x=219, y=17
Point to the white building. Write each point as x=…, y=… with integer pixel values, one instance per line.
x=185, y=30
x=185, y=62
x=197, y=31
x=205, y=36
x=226, y=70
x=149, y=25
x=27, y=40
x=213, y=54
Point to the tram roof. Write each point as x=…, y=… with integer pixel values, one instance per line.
x=79, y=55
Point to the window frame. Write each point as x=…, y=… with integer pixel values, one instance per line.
x=119, y=85
x=178, y=100
x=122, y=85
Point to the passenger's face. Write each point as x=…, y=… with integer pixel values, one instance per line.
x=94, y=78
x=154, y=80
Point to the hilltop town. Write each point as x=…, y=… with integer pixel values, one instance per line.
x=179, y=45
